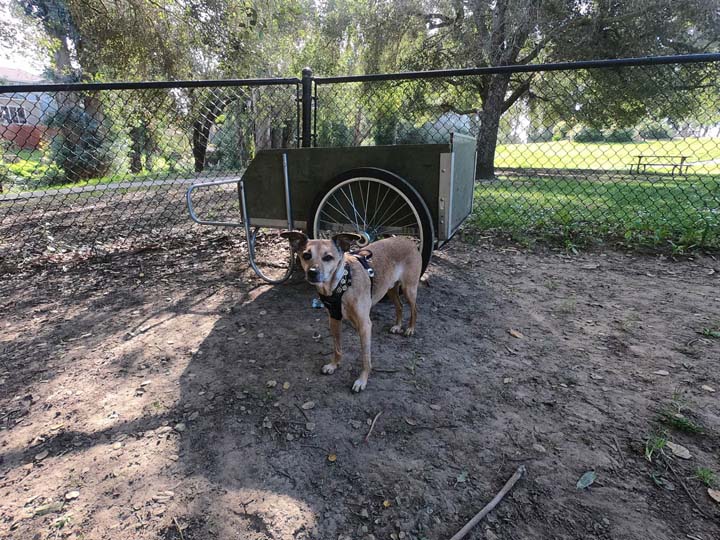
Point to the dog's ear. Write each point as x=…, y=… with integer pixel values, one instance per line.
x=343, y=241
x=298, y=239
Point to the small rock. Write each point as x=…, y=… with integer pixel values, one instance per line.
x=516, y=333
x=507, y=380
x=42, y=455
x=263, y=312
x=261, y=335
x=117, y=446
x=289, y=437
x=271, y=384
x=707, y=388
x=435, y=407
x=70, y=495
x=286, y=385
x=356, y=424
x=364, y=513
x=714, y=494
x=332, y=458
x=308, y=405
x=163, y=429
x=539, y=448
x=193, y=416
x=661, y=372
x=596, y=377
x=145, y=383
x=180, y=427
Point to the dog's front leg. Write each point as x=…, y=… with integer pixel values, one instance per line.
x=336, y=331
x=365, y=330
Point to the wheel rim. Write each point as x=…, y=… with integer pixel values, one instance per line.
x=368, y=206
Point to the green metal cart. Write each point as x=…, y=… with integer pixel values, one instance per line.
x=424, y=191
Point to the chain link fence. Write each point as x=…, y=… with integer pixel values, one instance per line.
x=96, y=168
x=624, y=151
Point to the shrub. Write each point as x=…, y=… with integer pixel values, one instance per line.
x=586, y=134
x=654, y=130
x=619, y=135
x=334, y=133
x=407, y=133
x=560, y=131
x=82, y=147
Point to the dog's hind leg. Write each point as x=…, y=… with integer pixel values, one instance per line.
x=410, y=290
x=394, y=295
x=336, y=331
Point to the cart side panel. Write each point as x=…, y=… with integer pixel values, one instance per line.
x=464, y=150
x=310, y=170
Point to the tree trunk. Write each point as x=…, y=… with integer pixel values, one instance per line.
x=492, y=110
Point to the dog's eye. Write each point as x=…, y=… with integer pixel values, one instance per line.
x=327, y=258
x=307, y=256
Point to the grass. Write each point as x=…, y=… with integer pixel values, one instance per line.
x=673, y=414
x=654, y=445
x=680, y=212
x=706, y=476
x=608, y=156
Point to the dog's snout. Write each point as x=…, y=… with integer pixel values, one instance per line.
x=312, y=273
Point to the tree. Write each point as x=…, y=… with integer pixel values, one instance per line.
x=480, y=33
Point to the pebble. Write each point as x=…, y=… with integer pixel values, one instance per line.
x=70, y=495
x=180, y=427
x=308, y=405
x=42, y=455
x=193, y=416
x=707, y=388
x=539, y=448
x=271, y=384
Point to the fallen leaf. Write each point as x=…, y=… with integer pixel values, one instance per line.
x=586, y=480
x=596, y=377
x=462, y=477
x=435, y=407
x=661, y=372
x=678, y=450
x=387, y=504
x=332, y=458
x=42, y=455
x=714, y=494
x=48, y=508
x=516, y=333
x=539, y=448
x=70, y=495
x=286, y=385
x=410, y=422
x=308, y=405
x=271, y=384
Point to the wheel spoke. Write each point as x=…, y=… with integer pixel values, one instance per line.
x=381, y=220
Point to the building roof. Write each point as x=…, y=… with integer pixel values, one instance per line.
x=18, y=76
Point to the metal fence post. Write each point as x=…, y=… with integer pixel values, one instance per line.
x=307, y=78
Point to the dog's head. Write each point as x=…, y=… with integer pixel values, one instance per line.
x=320, y=258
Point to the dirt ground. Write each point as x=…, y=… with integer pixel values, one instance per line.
x=169, y=394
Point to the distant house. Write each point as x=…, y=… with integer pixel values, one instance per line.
x=23, y=115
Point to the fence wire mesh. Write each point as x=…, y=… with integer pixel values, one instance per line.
x=627, y=153
x=98, y=170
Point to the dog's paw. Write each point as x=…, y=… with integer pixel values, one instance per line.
x=359, y=385
x=329, y=369
x=409, y=332
x=397, y=329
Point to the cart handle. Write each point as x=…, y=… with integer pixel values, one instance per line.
x=191, y=208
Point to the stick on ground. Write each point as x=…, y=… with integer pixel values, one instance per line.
x=492, y=504
x=372, y=426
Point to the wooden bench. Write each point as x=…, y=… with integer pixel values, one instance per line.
x=678, y=163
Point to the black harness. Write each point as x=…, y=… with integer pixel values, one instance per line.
x=333, y=302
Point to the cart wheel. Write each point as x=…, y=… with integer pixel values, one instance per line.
x=375, y=204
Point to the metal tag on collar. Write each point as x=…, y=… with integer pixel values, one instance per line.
x=371, y=272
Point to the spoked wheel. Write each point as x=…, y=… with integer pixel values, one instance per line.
x=270, y=256
x=375, y=204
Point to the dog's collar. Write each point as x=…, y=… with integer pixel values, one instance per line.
x=333, y=302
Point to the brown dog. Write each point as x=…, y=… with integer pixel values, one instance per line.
x=347, y=289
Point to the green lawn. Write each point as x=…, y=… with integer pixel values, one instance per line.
x=683, y=212
x=608, y=156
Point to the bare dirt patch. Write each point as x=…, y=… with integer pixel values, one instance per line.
x=167, y=389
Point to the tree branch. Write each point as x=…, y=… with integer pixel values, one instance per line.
x=519, y=92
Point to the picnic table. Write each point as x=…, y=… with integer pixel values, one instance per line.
x=678, y=163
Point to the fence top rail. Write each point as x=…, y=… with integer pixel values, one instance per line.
x=558, y=66
x=70, y=87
